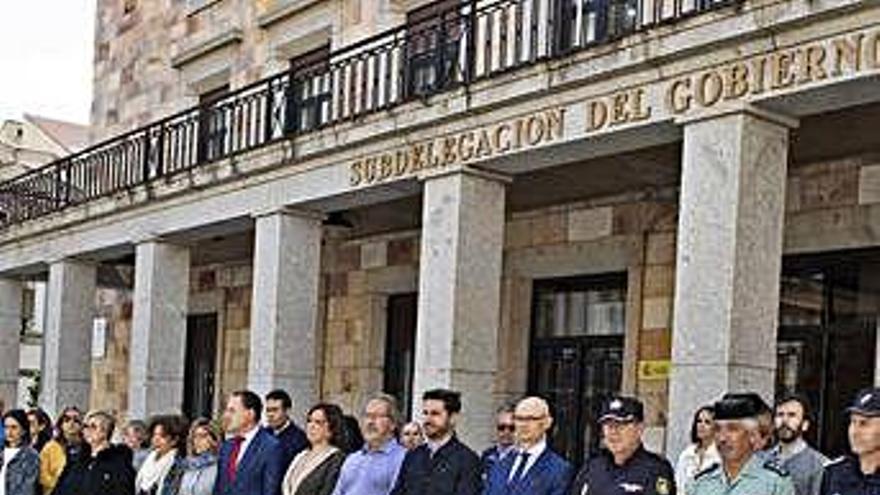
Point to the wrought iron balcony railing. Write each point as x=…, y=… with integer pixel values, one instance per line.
x=449, y=45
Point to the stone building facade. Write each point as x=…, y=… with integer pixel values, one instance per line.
x=676, y=210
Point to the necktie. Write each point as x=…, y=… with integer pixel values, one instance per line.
x=232, y=467
x=521, y=467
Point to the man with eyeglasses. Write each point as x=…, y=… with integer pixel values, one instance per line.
x=373, y=469
x=533, y=468
x=624, y=465
x=504, y=440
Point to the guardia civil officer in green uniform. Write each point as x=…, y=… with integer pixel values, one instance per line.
x=741, y=472
x=624, y=467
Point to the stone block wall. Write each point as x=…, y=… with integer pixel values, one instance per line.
x=610, y=235
x=154, y=57
x=358, y=276
x=110, y=373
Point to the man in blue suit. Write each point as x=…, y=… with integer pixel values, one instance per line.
x=533, y=469
x=250, y=457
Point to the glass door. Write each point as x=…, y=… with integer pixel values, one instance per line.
x=576, y=357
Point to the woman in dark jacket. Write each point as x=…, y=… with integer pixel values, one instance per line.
x=21, y=463
x=107, y=470
x=315, y=470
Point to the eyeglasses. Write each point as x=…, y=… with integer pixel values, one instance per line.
x=505, y=427
x=375, y=416
x=70, y=419
x=529, y=418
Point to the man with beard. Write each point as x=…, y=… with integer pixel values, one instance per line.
x=742, y=471
x=443, y=465
x=802, y=462
x=624, y=466
x=373, y=469
x=858, y=474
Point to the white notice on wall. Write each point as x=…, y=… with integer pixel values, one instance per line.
x=99, y=337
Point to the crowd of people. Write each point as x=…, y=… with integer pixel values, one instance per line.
x=738, y=446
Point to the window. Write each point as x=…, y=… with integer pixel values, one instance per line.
x=310, y=90
x=572, y=309
x=828, y=309
x=212, y=124
x=434, y=36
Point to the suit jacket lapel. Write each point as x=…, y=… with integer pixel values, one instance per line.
x=540, y=465
x=250, y=454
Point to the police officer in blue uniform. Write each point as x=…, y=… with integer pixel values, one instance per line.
x=859, y=473
x=624, y=466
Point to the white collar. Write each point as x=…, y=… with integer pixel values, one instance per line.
x=796, y=447
x=535, y=450
x=435, y=446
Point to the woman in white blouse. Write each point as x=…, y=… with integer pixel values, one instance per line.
x=701, y=453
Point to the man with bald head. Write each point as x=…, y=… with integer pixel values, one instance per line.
x=533, y=468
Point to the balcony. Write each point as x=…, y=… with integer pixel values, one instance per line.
x=445, y=46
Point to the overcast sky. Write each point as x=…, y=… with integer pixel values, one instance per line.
x=46, y=58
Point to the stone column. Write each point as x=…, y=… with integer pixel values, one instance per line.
x=284, y=309
x=728, y=261
x=66, y=367
x=877, y=360
x=10, y=342
x=158, y=335
x=459, y=295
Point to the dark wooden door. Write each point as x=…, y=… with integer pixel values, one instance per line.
x=201, y=357
x=400, y=345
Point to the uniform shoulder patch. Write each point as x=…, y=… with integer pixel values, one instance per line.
x=707, y=471
x=774, y=466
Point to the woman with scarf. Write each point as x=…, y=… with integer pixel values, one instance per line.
x=196, y=473
x=315, y=470
x=168, y=436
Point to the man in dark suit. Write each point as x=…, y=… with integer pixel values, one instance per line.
x=442, y=465
x=250, y=458
x=533, y=468
x=292, y=438
x=505, y=440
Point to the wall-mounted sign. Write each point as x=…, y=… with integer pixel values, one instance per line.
x=654, y=370
x=740, y=80
x=460, y=148
x=99, y=338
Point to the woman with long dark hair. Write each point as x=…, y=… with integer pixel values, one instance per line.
x=20, y=468
x=40, y=428
x=701, y=453
x=315, y=470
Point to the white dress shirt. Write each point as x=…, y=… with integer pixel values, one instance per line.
x=534, y=452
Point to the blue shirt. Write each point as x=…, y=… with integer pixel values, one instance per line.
x=371, y=472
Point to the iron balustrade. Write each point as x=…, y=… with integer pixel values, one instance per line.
x=456, y=45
